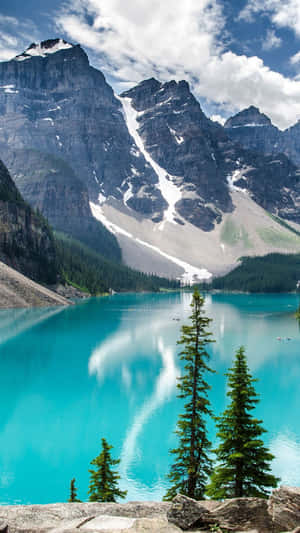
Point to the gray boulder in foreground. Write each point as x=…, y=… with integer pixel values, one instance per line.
x=281, y=513
x=186, y=513
x=284, y=508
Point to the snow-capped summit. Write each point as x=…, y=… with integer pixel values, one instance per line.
x=44, y=48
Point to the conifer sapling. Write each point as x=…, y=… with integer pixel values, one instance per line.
x=103, y=480
x=73, y=492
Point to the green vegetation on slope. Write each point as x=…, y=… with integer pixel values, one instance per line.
x=232, y=234
x=278, y=238
x=90, y=271
x=270, y=273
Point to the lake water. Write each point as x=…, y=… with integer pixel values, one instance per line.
x=107, y=368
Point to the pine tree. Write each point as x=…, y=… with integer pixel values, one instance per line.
x=104, y=481
x=73, y=492
x=243, y=462
x=192, y=465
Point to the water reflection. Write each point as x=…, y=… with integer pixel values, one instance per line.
x=13, y=322
x=257, y=327
x=286, y=465
x=138, y=334
x=164, y=388
x=109, y=367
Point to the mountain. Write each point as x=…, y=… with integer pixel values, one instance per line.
x=203, y=163
x=291, y=143
x=176, y=193
x=219, y=195
x=254, y=130
x=50, y=185
x=53, y=101
x=26, y=242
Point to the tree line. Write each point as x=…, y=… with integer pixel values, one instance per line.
x=91, y=272
x=269, y=273
x=242, y=463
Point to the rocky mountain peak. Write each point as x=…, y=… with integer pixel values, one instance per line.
x=43, y=49
x=250, y=117
x=151, y=93
x=50, y=64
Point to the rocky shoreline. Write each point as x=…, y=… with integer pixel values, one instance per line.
x=280, y=513
x=17, y=290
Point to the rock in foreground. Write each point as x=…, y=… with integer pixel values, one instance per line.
x=281, y=513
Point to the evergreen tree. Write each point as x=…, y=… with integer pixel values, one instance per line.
x=243, y=462
x=104, y=481
x=73, y=492
x=192, y=465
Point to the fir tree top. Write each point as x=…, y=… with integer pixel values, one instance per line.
x=104, y=481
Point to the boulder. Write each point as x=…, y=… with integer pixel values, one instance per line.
x=187, y=513
x=70, y=517
x=284, y=508
x=244, y=514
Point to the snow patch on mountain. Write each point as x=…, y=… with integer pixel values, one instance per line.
x=170, y=192
x=233, y=178
x=9, y=89
x=178, y=138
x=128, y=194
x=43, y=49
x=250, y=125
x=191, y=273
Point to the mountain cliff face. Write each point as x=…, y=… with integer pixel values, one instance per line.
x=185, y=144
x=53, y=101
x=291, y=143
x=50, y=185
x=202, y=160
x=166, y=182
x=26, y=243
x=254, y=130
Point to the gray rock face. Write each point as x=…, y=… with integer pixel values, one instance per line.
x=187, y=513
x=244, y=514
x=50, y=185
x=58, y=104
x=203, y=159
x=255, y=131
x=284, y=507
x=26, y=242
x=180, y=138
x=67, y=517
x=251, y=515
x=53, y=103
x=291, y=143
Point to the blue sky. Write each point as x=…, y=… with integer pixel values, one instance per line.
x=233, y=53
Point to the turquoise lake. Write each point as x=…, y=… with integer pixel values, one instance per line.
x=107, y=367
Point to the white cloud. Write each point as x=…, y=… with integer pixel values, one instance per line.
x=295, y=59
x=137, y=39
x=271, y=41
x=283, y=13
x=286, y=465
x=15, y=36
x=218, y=118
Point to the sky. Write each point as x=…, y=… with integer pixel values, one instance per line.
x=234, y=53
